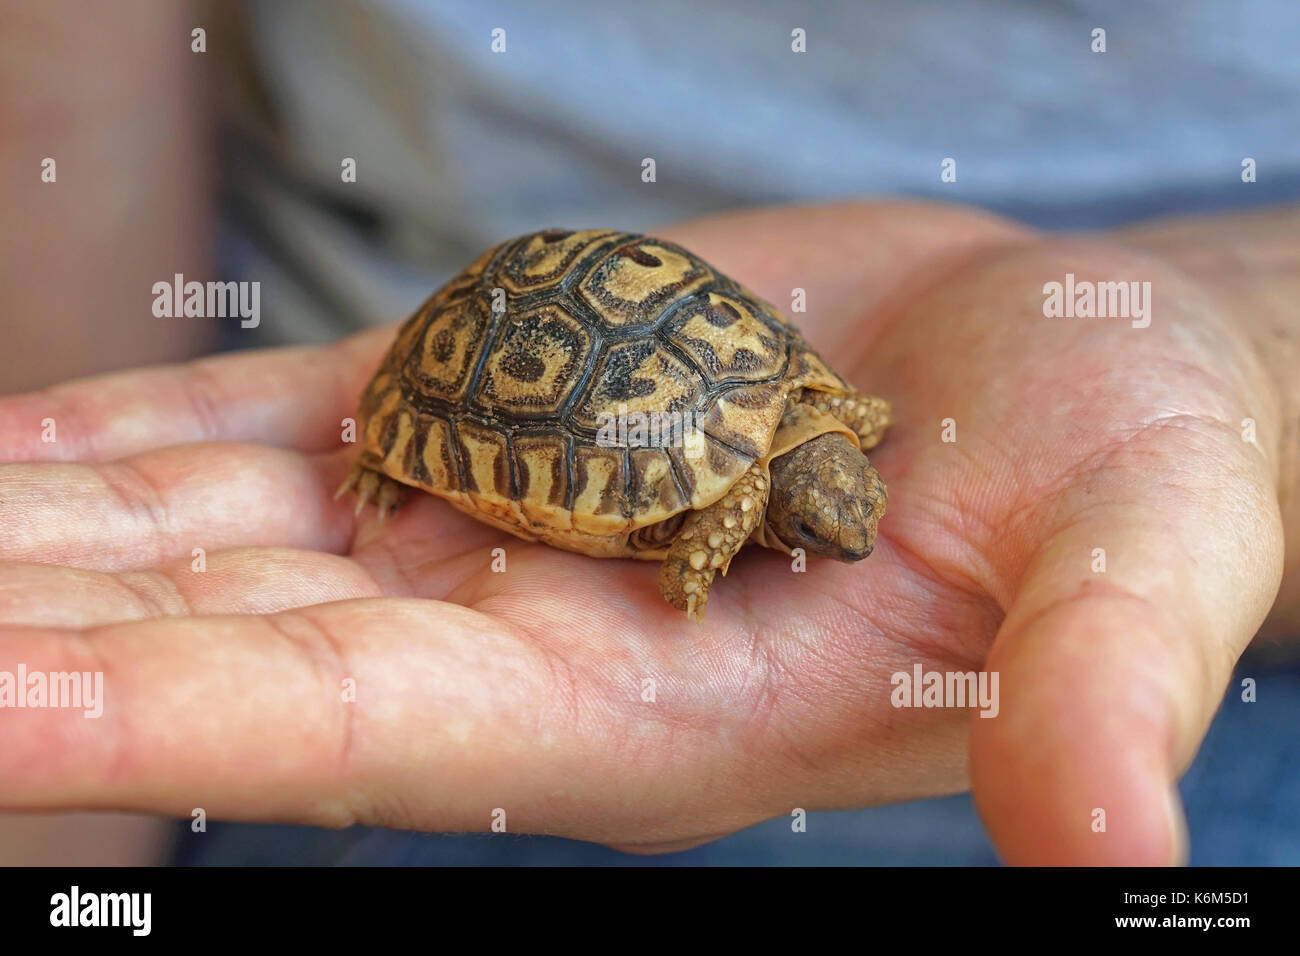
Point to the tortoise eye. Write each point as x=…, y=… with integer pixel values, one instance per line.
x=803, y=531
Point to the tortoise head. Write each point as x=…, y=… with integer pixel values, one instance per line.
x=826, y=498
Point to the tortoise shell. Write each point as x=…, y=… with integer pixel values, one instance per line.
x=498, y=394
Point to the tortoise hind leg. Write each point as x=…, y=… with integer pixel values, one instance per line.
x=371, y=484
x=866, y=415
x=709, y=539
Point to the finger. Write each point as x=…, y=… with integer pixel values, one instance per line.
x=157, y=507
x=1108, y=679
x=411, y=713
x=290, y=397
x=427, y=550
x=850, y=259
x=240, y=581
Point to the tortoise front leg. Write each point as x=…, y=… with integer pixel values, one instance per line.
x=371, y=484
x=709, y=539
x=866, y=415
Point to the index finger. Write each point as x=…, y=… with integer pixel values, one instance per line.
x=289, y=397
x=848, y=258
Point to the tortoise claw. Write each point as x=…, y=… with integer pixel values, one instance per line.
x=371, y=486
x=349, y=482
x=391, y=495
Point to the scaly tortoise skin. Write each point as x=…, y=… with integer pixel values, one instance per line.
x=498, y=411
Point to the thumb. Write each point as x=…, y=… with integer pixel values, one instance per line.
x=1157, y=568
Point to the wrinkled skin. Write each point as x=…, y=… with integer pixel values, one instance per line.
x=524, y=690
x=826, y=499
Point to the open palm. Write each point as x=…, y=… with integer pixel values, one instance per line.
x=321, y=668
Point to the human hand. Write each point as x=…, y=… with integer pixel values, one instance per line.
x=523, y=690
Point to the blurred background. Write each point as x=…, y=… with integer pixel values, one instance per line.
x=220, y=155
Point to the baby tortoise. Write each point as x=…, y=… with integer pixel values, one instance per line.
x=503, y=394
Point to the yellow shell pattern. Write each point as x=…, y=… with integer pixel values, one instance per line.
x=499, y=393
